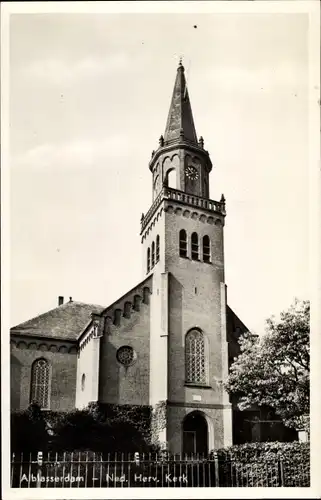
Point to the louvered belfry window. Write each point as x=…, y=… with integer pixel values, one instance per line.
x=206, y=249
x=182, y=243
x=40, y=383
x=195, y=249
x=195, y=367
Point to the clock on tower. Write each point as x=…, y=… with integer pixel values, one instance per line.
x=191, y=173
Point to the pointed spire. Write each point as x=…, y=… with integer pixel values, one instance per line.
x=180, y=123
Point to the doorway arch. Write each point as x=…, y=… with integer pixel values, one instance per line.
x=195, y=433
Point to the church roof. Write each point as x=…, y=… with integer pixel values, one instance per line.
x=180, y=121
x=64, y=322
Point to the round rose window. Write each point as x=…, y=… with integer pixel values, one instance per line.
x=126, y=355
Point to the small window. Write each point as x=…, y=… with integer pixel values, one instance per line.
x=195, y=250
x=83, y=382
x=148, y=259
x=153, y=254
x=206, y=249
x=157, y=248
x=182, y=243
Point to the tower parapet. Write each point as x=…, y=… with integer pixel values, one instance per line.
x=188, y=200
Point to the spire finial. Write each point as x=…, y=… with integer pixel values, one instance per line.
x=180, y=64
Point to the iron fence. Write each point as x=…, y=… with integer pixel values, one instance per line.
x=94, y=470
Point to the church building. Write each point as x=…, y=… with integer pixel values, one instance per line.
x=168, y=342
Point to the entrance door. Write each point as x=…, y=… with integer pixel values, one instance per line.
x=195, y=434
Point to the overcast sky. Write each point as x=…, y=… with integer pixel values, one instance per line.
x=89, y=98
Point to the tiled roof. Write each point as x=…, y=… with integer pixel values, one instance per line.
x=64, y=322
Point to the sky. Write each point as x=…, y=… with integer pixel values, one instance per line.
x=89, y=98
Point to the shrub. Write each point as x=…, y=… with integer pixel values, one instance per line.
x=265, y=464
x=99, y=428
x=28, y=430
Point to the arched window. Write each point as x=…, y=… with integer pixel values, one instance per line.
x=148, y=259
x=206, y=249
x=182, y=243
x=195, y=369
x=171, y=178
x=195, y=246
x=40, y=383
x=157, y=248
x=153, y=254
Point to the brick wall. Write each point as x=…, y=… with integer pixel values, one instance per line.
x=24, y=352
x=126, y=385
x=194, y=301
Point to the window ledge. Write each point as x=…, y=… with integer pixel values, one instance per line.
x=198, y=386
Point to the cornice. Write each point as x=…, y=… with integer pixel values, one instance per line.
x=190, y=146
x=43, y=344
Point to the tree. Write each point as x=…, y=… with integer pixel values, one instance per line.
x=274, y=370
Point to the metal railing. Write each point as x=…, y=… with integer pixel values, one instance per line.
x=96, y=470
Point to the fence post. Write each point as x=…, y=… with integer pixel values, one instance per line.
x=216, y=468
x=39, y=465
x=281, y=471
x=136, y=458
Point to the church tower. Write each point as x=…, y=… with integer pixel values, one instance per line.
x=182, y=239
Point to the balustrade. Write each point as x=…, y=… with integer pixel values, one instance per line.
x=180, y=196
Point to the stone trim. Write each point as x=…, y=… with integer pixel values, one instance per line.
x=43, y=345
x=214, y=406
x=104, y=322
x=217, y=220
x=176, y=144
x=197, y=386
x=188, y=200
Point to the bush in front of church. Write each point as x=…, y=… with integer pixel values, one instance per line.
x=264, y=464
x=99, y=427
x=28, y=430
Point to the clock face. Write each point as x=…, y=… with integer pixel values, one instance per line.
x=191, y=173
